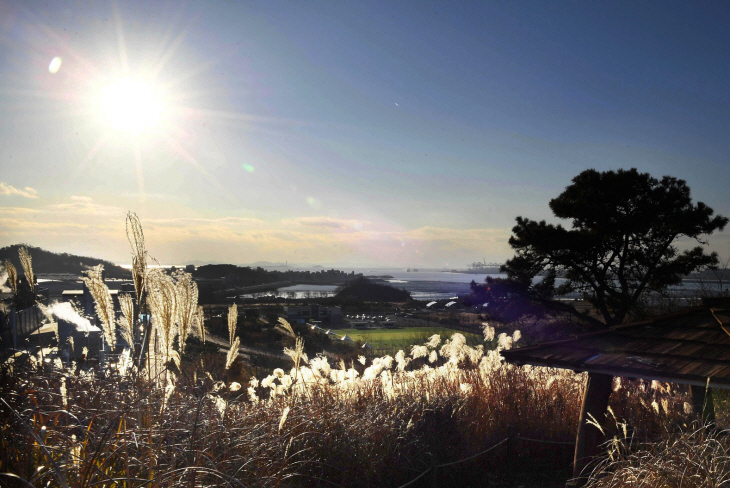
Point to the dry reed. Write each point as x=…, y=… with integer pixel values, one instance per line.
x=126, y=320
x=200, y=323
x=27, y=263
x=232, y=322
x=12, y=276
x=186, y=292
x=162, y=300
x=104, y=305
x=135, y=236
x=695, y=458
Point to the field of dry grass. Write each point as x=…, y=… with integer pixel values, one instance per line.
x=380, y=423
x=189, y=419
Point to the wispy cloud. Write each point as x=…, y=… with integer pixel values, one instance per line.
x=191, y=221
x=81, y=224
x=27, y=192
x=17, y=210
x=26, y=225
x=328, y=223
x=86, y=205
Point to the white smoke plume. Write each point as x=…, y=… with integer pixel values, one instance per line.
x=66, y=311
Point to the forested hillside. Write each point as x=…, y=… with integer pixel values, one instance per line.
x=50, y=262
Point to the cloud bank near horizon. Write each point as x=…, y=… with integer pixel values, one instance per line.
x=81, y=225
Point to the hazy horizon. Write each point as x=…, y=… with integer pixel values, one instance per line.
x=345, y=134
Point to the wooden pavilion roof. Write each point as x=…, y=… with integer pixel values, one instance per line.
x=686, y=347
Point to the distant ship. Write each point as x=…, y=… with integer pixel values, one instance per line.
x=412, y=270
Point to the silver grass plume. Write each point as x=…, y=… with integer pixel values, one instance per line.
x=488, y=332
x=297, y=354
x=200, y=322
x=27, y=263
x=232, y=352
x=135, y=236
x=12, y=276
x=287, y=326
x=232, y=321
x=161, y=298
x=187, y=305
x=126, y=321
x=104, y=305
x=284, y=415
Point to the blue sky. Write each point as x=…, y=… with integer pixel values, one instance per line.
x=348, y=133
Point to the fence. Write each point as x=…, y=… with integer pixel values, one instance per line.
x=508, y=441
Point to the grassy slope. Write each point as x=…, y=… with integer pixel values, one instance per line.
x=381, y=431
x=389, y=341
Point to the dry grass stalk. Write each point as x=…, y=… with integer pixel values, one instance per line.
x=126, y=321
x=187, y=305
x=297, y=355
x=135, y=236
x=12, y=276
x=232, y=352
x=104, y=304
x=161, y=297
x=27, y=263
x=287, y=326
x=694, y=459
x=353, y=426
x=200, y=322
x=284, y=414
x=232, y=321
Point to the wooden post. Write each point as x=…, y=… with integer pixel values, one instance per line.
x=702, y=403
x=589, y=437
x=510, y=447
x=434, y=472
x=14, y=328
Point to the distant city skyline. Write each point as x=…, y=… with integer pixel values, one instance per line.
x=345, y=134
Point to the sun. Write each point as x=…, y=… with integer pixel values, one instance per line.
x=132, y=105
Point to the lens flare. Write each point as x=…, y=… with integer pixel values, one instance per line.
x=54, y=65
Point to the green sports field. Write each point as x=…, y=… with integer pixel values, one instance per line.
x=389, y=341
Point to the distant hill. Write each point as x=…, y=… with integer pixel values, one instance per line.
x=247, y=276
x=365, y=290
x=51, y=262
